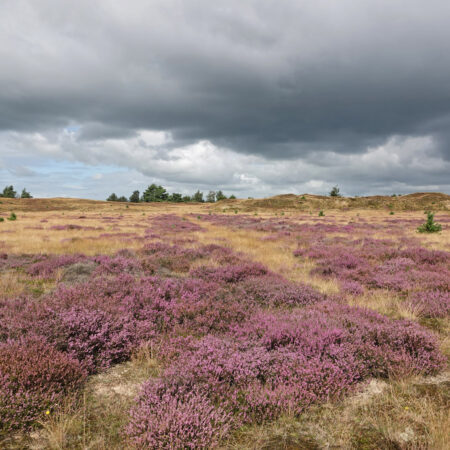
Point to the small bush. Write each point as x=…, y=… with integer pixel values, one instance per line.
x=321, y=214
x=2, y=219
x=34, y=377
x=169, y=420
x=335, y=192
x=12, y=216
x=95, y=338
x=430, y=226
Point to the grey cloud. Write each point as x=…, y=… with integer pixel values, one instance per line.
x=284, y=80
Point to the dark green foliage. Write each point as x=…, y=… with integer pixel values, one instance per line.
x=175, y=197
x=25, y=194
x=232, y=197
x=112, y=198
x=9, y=192
x=321, y=213
x=335, y=192
x=122, y=199
x=187, y=198
x=2, y=219
x=211, y=197
x=155, y=193
x=134, y=197
x=220, y=196
x=430, y=226
x=198, y=197
x=12, y=216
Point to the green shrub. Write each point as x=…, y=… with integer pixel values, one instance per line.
x=335, y=192
x=2, y=219
x=321, y=214
x=430, y=226
x=12, y=216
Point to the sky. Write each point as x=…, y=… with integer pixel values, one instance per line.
x=253, y=97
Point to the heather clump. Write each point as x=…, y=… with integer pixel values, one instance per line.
x=117, y=264
x=379, y=264
x=172, y=257
x=95, y=338
x=430, y=304
x=171, y=223
x=34, y=378
x=50, y=264
x=230, y=273
x=273, y=290
x=281, y=362
x=163, y=419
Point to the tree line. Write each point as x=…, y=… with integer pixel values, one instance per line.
x=155, y=193
x=9, y=192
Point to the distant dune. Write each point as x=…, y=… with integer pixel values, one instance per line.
x=434, y=201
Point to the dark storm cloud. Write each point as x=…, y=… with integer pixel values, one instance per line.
x=277, y=78
x=308, y=82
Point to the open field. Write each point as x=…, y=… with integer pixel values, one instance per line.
x=240, y=324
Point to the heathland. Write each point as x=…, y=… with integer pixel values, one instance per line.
x=293, y=322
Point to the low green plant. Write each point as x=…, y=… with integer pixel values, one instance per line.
x=12, y=216
x=392, y=213
x=321, y=214
x=2, y=219
x=430, y=226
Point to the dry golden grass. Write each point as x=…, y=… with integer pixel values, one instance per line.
x=278, y=256
x=407, y=414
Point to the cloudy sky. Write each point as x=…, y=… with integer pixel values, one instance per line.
x=254, y=97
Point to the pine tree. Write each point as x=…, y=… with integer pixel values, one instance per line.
x=134, y=197
x=25, y=194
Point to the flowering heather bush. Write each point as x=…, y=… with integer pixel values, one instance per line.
x=171, y=223
x=279, y=362
x=173, y=257
x=117, y=264
x=352, y=287
x=379, y=264
x=48, y=266
x=34, y=377
x=273, y=290
x=171, y=420
x=229, y=274
x=430, y=303
x=95, y=338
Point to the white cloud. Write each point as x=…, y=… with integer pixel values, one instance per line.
x=145, y=158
